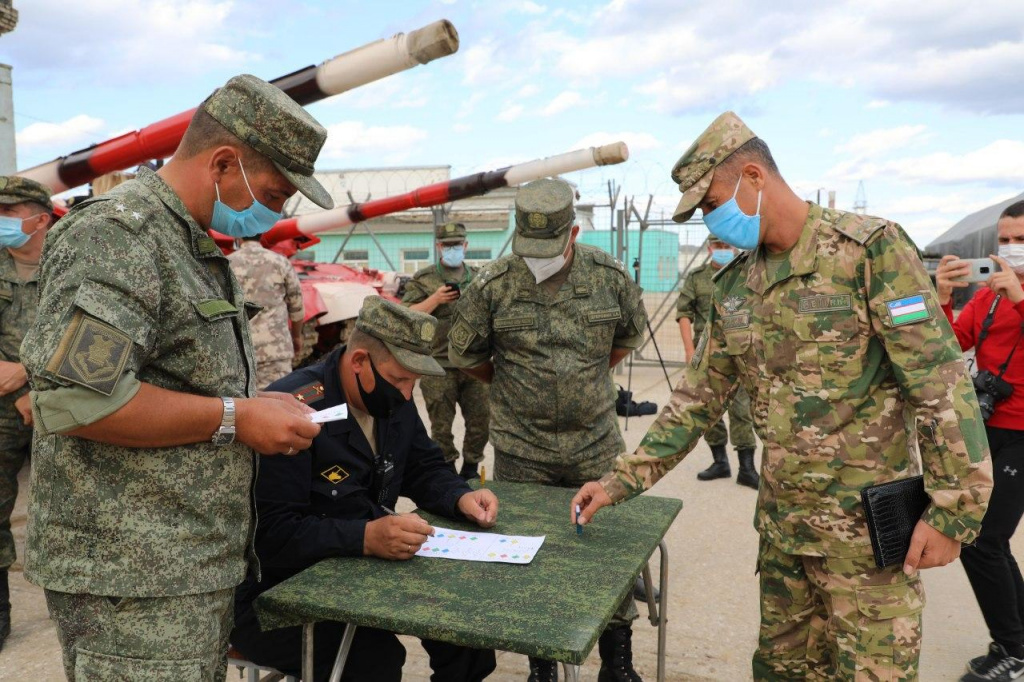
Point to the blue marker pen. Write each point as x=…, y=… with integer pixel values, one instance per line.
x=579, y=526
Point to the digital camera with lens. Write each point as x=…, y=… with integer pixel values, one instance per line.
x=991, y=389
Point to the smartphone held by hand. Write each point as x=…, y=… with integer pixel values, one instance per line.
x=981, y=269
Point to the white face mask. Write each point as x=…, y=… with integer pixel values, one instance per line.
x=1014, y=255
x=545, y=268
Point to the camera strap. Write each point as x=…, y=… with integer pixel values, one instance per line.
x=983, y=334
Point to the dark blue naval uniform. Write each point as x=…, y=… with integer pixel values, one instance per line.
x=316, y=505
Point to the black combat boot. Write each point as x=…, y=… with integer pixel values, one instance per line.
x=542, y=671
x=719, y=468
x=468, y=471
x=747, y=474
x=5, y=608
x=616, y=649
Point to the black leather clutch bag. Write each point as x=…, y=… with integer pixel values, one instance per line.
x=893, y=510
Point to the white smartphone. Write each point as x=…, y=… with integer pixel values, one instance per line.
x=981, y=269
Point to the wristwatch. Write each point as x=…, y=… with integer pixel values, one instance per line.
x=225, y=435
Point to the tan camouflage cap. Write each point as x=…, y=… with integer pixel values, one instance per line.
x=451, y=233
x=16, y=190
x=273, y=124
x=408, y=334
x=544, y=216
x=695, y=169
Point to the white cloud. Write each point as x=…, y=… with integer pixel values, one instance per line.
x=529, y=7
x=529, y=90
x=998, y=164
x=483, y=65
x=353, y=138
x=877, y=104
x=510, y=112
x=69, y=134
x=635, y=141
x=562, y=102
x=878, y=142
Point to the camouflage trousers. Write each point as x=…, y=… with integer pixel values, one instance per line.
x=824, y=618
x=441, y=394
x=508, y=467
x=15, y=443
x=157, y=639
x=741, y=425
x=271, y=370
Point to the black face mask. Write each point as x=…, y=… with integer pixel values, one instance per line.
x=384, y=399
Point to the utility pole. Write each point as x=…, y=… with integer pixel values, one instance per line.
x=8, y=153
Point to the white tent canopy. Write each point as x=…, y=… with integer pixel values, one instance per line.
x=972, y=237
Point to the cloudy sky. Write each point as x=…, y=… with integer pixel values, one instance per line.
x=922, y=101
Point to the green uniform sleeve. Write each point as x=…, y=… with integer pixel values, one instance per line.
x=469, y=341
x=697, y=403
x=629, y=332
x=415, y=292
x=686, y=306
x=926, y=359
x=98, y=298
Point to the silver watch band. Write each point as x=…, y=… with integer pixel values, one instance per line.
x=228, y=420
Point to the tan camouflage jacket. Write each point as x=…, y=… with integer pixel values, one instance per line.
x=694, y=300
x=132, y=290
x=424, y=283
x=831, y=353
x=552, y=397
x=269, y=281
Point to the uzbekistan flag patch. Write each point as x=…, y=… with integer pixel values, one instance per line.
x=907, y=310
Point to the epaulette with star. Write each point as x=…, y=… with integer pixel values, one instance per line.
x=310, y=393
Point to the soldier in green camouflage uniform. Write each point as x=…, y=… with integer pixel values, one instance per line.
x=692, y=312
x=832, y=326
x=428, y=292
x=25, y=211
x=142, y=375
x=544, y=325
x=269, y=280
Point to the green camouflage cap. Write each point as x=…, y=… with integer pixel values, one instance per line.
x=408, y=334
x=450, y=233
x=544, y=216
x=273, y=124
x=16, y=190
x=695, y=169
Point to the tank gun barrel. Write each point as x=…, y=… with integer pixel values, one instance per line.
x=442, y=192
x=342, y=73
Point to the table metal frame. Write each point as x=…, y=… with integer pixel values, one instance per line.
x=657, y=614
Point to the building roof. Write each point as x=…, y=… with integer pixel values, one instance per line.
x=972, y=237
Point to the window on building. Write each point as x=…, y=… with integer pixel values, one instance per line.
x=414, y=259
x=478, y=256
x=359, y=258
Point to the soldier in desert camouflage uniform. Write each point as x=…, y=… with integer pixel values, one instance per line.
x=142, y=374
x=25, y=214
x=429, y=291
x=832, y=326
x=269, y=280
x=544, y=325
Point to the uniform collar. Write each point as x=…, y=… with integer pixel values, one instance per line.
x=250, y=245
x=203, y=245
x=803, y=258
x=9, y=271
x=467, y=273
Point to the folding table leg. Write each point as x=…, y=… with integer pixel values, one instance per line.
x=571, y=672
x=663, y=610
x=307, y=651
x=346, y=646
x=652, y=605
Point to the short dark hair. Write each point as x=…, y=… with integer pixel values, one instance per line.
x=1014, y=210
x=374, y=347
x=753, y=149
x=205, y=132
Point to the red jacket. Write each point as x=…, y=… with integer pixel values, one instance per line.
x=1005, y=330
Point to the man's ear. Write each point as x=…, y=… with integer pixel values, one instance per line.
x=755, y=173
x=222, y=160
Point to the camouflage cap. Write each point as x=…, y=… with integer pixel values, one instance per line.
x=273, y=124
x=450, y=233
x=16, y=190
x=695, y=169
x=408, y=334
x=544, y=216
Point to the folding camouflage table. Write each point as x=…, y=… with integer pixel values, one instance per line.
x=554, y=608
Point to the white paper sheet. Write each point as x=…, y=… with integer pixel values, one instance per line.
x=331, y=414
x=473, y=546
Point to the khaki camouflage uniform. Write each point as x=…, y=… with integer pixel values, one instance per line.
x=269, y=280
x=695, y=304
x=441, y=394
x=829, y=371
x=553, y=415
x=139, y=548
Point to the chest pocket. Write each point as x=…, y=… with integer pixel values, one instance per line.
x=600, y=329
x=829, y=350
x=517, y=333
x=738, y=346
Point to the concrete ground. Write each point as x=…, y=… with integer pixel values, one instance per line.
x=713, y=608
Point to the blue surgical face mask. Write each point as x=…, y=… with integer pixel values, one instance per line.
x=11, y=235
x=452, y=256
x=249, y=222
x=722, y=256
x=732, y=225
